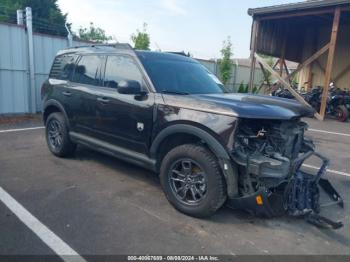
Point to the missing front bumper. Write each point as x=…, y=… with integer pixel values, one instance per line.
x=298, y=197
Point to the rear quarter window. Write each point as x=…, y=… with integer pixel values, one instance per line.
x=88, y=70
x=63, y=67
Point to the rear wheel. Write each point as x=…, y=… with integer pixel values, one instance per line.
x=192, y=182
x=342, y=113
x=57, y=136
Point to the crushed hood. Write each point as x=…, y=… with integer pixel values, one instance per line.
x=243, y=105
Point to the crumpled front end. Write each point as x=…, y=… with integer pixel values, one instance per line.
x=269, y=155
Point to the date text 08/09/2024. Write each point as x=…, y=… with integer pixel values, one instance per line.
x=173, y=258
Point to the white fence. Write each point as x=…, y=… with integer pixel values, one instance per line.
x=240, y=73
x=14, y=66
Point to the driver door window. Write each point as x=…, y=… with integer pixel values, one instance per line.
x=121, y=68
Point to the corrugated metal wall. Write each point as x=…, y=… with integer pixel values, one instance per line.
x=14, y=84
x=14, y=69
x=45, y=49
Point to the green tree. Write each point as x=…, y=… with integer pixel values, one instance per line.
x=270, y=61
x=47, y=16
x=241, y=88
x=141, y=39
x=94, y=34
x=225, y=63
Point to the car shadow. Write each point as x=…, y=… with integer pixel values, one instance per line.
x=225, y=215
x=123, y=168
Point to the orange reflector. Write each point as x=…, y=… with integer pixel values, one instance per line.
x=259, y=200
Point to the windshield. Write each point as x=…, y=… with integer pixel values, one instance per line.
x=182, y=77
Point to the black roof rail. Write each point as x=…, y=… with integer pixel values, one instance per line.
x=179, y=53
x=116, y=45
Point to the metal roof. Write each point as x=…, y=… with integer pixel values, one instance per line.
x=299, y=6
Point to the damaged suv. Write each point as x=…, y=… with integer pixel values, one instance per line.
x=166, y=112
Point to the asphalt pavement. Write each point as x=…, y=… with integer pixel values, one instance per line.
x=98, y=205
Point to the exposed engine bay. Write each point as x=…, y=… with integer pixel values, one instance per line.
x=269, y=155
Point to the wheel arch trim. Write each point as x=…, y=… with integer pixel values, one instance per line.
x=213, y=144
x=228, y=168
x=57, y=104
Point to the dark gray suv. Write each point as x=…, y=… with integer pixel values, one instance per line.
x=167, y=113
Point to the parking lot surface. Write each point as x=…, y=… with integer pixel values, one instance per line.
x=98, y=205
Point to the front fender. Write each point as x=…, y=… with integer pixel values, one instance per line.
x=228, y=168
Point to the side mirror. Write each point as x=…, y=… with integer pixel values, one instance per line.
x=129, y=87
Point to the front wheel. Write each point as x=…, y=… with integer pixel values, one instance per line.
x=192, y=181
x=342, y=113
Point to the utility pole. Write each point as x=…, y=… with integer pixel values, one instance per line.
x=32, y=91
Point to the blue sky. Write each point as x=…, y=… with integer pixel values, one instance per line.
x=195, y=26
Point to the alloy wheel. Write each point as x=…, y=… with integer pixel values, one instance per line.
x=188, y=181
x=54, y=133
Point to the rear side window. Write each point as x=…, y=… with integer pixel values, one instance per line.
x=63, y=67
x=121, y=67
x=88, y=70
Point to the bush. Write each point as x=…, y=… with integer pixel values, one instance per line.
x=244, y=89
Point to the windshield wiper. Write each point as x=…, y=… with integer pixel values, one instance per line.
x=174, y=92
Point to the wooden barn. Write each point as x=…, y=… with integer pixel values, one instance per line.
x=315, y=34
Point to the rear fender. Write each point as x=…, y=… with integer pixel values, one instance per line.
x=56, y=104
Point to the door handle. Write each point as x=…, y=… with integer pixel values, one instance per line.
x=103, y=100
x=67, y=93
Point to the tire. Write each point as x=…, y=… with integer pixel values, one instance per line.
x=57, y=136
x=342, y=113
x=206, y=179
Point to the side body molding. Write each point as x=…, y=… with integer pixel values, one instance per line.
x=228, y=168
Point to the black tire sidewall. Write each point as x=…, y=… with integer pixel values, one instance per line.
x=216, y=193
x=67, y=147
